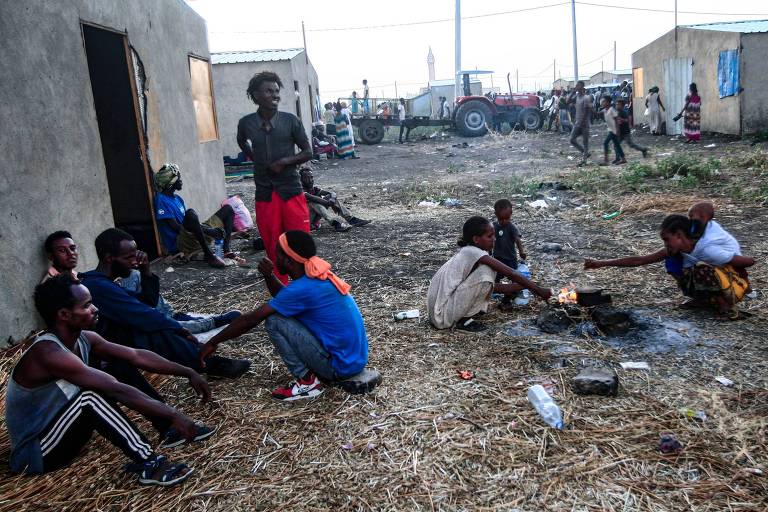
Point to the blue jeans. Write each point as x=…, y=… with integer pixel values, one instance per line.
x=612, y=137
x=299, y=349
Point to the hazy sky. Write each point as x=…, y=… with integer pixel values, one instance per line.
x=344, y=46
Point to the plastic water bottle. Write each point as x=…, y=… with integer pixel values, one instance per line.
x=525, y=295
x=218, y=248
x=545, y=406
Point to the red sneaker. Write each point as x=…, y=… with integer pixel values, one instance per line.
x=308, y=387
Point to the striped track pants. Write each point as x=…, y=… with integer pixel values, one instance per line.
x=72, y=428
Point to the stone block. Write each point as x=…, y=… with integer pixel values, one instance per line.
x=596, y=381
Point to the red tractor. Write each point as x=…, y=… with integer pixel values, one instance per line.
x=473, y=114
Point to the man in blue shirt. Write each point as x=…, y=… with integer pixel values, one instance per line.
x=180, y=228
x=128, y=319
x=313, y=322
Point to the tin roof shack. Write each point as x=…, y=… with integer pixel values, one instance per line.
x=94, y=95
x=233, y=70
x=612, y=76
x=725, y=60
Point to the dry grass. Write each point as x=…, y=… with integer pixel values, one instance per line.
x=426, y=440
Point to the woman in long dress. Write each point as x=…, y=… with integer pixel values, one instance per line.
x=692, y=115
x=655, y=106
x=344, y=140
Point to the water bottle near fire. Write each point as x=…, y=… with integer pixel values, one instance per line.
x=545, y=406
x=525, y=295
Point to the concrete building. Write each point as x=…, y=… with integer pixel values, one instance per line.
x=233, y=70
x=95, y=95
x=567, y=83
x=697, y=53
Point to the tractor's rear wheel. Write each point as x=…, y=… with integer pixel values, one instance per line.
x=371, y=131
x=529, y=119
x=472, y=118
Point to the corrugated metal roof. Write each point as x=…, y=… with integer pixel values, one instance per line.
x=255, y=56
x=743, y=27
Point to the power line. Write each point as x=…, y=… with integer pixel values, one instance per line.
x=368, y=27
x=670, y=11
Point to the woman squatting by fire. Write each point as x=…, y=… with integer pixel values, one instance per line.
x=702, y=257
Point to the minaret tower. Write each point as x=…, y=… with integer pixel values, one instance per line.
x=431, y=64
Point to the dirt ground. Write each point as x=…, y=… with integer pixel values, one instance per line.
x=428, y=440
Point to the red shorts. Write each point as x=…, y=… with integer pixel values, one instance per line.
x=277, y=216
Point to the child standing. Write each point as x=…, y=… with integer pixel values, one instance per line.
x=508, y=243
x=625, y=128
x=611, y=115
x=462, y=287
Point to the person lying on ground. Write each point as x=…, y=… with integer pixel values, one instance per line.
x=180, y=228
x=707, y=270
x=194, y=324
x=463, y=286
x=55, y=400
x=313, y=322
x=128, y=320
x=508, y=242
x=61, y=251
x=324, y=204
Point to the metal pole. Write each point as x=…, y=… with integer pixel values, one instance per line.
x=517, y=80
x=396, y=96
x=457, y=56
x=675, y=21
x=614, y=55
x=554, y=72
x=575, y=50
x=304, y=37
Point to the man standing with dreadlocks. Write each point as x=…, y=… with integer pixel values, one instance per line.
x=270, y=138
x=180, y=228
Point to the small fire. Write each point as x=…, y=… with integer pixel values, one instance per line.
x=566, y=296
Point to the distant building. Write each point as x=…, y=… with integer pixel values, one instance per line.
x=728, y=63
x=233, y=70
x=96, y=96
x=567, y=83
x=610, y=77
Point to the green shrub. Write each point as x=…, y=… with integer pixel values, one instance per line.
x=685, y=165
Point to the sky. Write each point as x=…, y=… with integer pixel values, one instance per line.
x=346, y=41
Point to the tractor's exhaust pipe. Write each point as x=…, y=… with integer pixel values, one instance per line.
x=509, y=84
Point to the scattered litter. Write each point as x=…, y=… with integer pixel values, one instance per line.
x=406, y=254
x=347, y=446
x=710, y=145
x=478, y=185
x=428, y=204
x=466, y=374
x=570, y=157
x=170, y=269
x=545, y=406
x=724, y=381
x=753, y=294
x=676, y=177
x=635, y=365
x=551, y=247
x=370, y=446
x=539, y=203
x=403, y=315
x=697, y=415
x=669, y=444
x=522, y=328
x=612, y=215
x=668, y=153
x=451, y=202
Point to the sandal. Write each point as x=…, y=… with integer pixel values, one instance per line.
x=470, y=325
x=158, y=470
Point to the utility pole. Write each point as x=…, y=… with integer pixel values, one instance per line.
x=575, y=50
x=614, y=55
x=457, y=56
x=304, y=38
x=396, y=96
x=517, y=80
x=554, y=72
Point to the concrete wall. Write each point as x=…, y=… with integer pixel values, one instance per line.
x=52, y=173
x=704, y=47
x=230, y=82
x=754, y=69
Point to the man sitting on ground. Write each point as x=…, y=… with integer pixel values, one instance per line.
x=313, y=322
x=62, y=253
x=128, y=320
x=324, y=204
x=55, y=401
x=180, y=228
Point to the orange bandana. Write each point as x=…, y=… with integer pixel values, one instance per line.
x=315, y=267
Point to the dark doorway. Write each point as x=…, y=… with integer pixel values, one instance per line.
x=122, y=141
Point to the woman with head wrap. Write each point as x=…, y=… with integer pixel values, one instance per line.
x=655, y=106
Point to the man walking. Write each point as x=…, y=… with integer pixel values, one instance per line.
x=270, y=138
x=583, y=104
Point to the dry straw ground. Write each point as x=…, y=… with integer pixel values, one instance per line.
x=427, y=440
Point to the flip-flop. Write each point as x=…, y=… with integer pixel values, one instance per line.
x=471, y=325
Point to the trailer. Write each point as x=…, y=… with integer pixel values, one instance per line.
x=371, y=127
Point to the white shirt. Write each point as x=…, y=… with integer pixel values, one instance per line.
x=401, y=111
x=610, y=120
x=716, y=247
